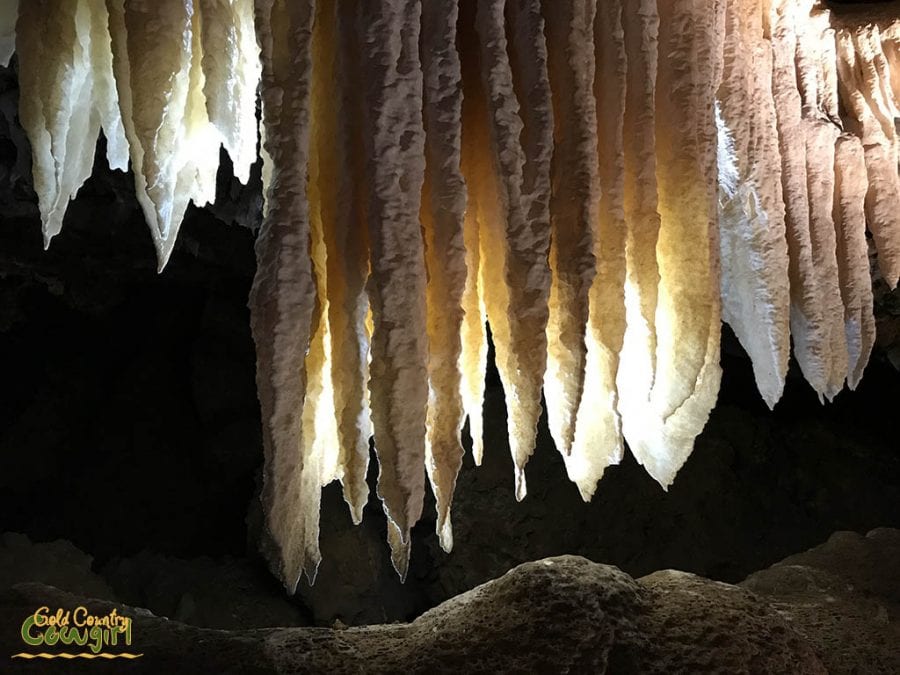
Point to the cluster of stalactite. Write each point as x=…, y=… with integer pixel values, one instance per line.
x=601, y=182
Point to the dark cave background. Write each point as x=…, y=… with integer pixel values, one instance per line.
x=129, y=427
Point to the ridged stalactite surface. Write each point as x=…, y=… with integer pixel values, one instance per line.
x=515, y=230
x=755, y=288
x=868, y=94
x=283, y=298
x=231, y=68
x=596, y=184
x=443, y=215
x=571, y=65
x=598, y=441
x=815, y=65
x=687, y=320
x=637, y=360
x=395, y=170
x=851, y=185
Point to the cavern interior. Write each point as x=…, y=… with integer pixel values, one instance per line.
x=379, y=336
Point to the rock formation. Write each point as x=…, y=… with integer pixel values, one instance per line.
x=600, y=182
x=832, y=609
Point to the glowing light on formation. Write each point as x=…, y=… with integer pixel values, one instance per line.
x=600, y=182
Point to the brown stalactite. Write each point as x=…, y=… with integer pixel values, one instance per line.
x=283, y=298
x=398, y=381
x=443, y=213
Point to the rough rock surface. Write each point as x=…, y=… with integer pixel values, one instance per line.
x=59, y=563
x=835, y=606
x=843, y=597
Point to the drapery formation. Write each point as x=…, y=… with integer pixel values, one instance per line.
x=600, y=182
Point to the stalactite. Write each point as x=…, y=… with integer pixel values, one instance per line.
x=344, y=212
x=573, y=212
x=851, y=185
x=105, y=96
x=871, y=110
x=443, y=212
x=600, y=182
x=481, y=192
x=152, y=49
x=808, y=324
x=598, y=432
x=9, y=12
x=515, y=235
x=399, y=377
x=755, y=289
x=57, y=82
x=231, y=67
x=814, y=61
x=320, y=445
x=283, y=298
x=687, y=317
x=637, y=360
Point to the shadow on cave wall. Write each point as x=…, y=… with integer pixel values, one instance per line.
x=129, y=426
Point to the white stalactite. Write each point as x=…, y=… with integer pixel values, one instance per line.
x=232, y=70
x=637, y=360
x=851, y=185
x=53, y=42
x=688, y=310
x=867, y=96
x=755, y=288
x=598, y=432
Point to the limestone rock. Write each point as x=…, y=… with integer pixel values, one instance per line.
x=58, y=562
x=843, y=597
x=562, y=614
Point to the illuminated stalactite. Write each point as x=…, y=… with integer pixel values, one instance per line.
x=283, y=297
x=152, y=61
x=395, y=171
x=637, y=360
x=599, y=182
x=686, y=383
x=807, y=322
x=231, y=68
x=64, y=62
x=573, y=212
x=851, y=185
x=443, y=215
x=481, y=190
x=867, y=95
x=515, y=230
x=339, y=146
x=598, y=439
x=815, y=66
x=755, y=289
